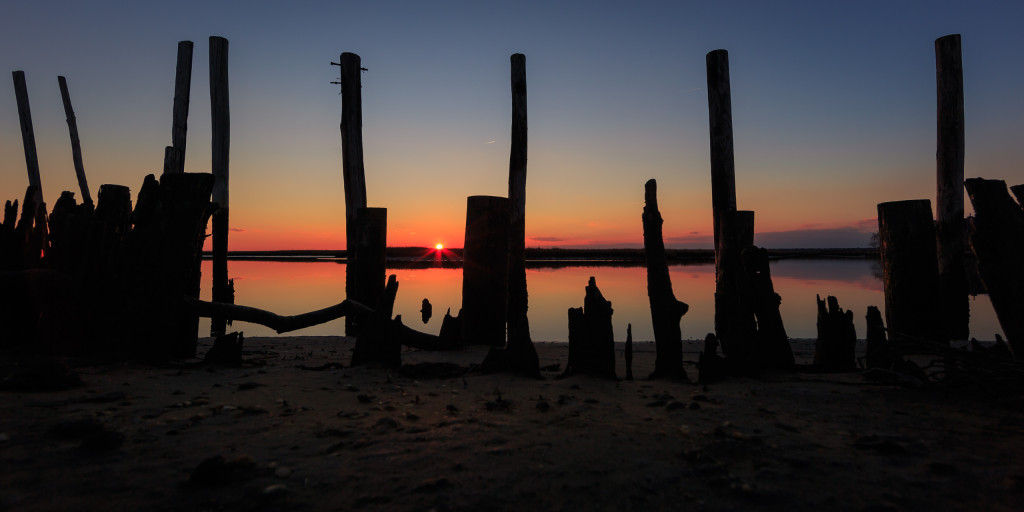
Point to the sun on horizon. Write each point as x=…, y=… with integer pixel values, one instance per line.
x=439, y=246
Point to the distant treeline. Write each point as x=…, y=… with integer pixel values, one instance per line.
x=541, y=257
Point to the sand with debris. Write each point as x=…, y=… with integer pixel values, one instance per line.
x=296, y=428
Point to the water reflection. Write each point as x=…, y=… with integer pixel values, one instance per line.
x=289, y=288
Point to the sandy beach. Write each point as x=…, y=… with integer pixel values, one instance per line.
x=296, y=428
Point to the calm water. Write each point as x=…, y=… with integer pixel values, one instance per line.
x=289, y=288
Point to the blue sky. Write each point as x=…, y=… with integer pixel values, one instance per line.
x=834, y=109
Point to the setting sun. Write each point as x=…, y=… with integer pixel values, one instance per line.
x=439, y=246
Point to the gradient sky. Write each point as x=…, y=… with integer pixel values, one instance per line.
x=833, y=109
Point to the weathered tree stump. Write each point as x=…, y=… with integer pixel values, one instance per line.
x=485, y=271
x=375, y=343
x=711, y=367
x=997, y=239
x=771, y=349
x=837, y=338
x=878, y=353
x=164, y=252
x=451, y=329
x=591, y=340
x=666, y=311
x=950, y=228
x=69, y=229
x=910, y=270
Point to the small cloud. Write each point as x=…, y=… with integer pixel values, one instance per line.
x=694, y=232
x=547, y=239
x=237, y=230
x=869, y=225
x=491, y=141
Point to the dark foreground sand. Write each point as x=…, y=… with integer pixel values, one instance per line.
x=296, y=429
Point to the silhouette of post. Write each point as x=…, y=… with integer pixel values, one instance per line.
x=221, y=118
x=182, y=92
x=485, y=270
x=28, y=137
x=666, y=311
x=723, y=168
x=591, y=338
x=352, y=162
x=76, y=146
x=997, y=239
x=949, y=204
x=521, y=354
x=835, y=347
x=369, y=245
x=735, y=325
x=910, y=269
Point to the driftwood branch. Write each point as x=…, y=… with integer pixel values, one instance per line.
x=279, y=323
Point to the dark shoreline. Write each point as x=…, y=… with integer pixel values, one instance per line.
x=404, y=257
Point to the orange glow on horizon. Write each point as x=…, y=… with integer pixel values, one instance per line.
x=439, y=247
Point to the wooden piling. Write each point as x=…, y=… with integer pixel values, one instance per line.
x=735, y=326
x=485, y=270
x=772, y=349
x=76, y=146
x=835, y=348
x=351, y=157
x=28, y=137
x=723, y=167
x=997, y=239
x=172, y=160
x=370, y=241
x=877, y=353
x=666, y=311
x=520, y=355
x=910, y=270
x=591, y=338
x=376, y=342
x=182, y=93
x=949, y=205
x=221, y=119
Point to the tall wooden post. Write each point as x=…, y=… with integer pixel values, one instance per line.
x=723, y=168
x=370, y=257
x=28, y=137
x=182, y=92
x=76, y=146
x=485, y=270
x=521, y=354
x=949, y=204
x=351, y=161
x=910, y=269
x=221, y=119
